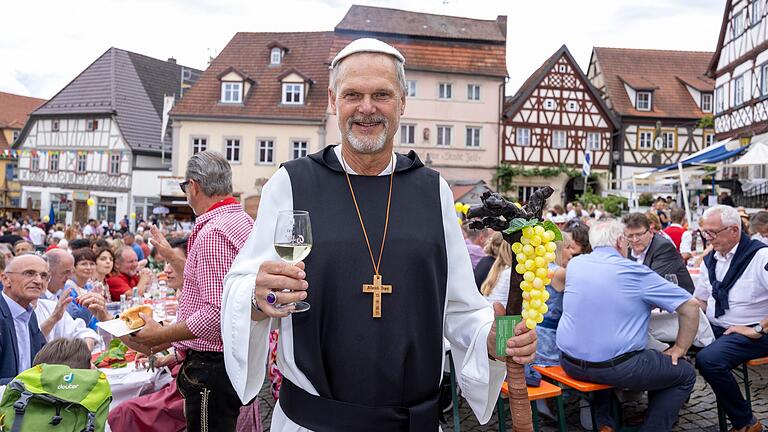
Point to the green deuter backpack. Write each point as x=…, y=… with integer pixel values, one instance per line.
x=56, y=398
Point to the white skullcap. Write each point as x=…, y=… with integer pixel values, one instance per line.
x=367, y=45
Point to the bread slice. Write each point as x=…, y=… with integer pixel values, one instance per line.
x=132, y=318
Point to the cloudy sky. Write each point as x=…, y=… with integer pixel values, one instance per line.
x=44, y=44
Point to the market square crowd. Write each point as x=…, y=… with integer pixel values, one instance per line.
x=624, y=285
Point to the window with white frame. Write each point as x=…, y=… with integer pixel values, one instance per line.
x=293, y=93
x=411, y=84
x=34, y=162
x=445, y=90
x=643, y=101
x=82, y=163
x=559, y=139
x=55, y=125
x=473, y=92
x=719, y=100
x=114, y=164
x=668, y=139
x=737, y=25
x=549, y=104
x=275, y=56
x=593, y=141
x=53, y=162
x=199, y=144
x=523, y=136
x=444, y=135
x=524, y=193
x=572, y=106
x=709, y=139
x=232, y=149
x=232, y=92
x=645, y=140
x=300, y=148
x=266, y=152
x=473, y=136
x=764, y=79
x=91, y=125
x=706, y=102
x=757, y=11
x=738, y=91
x=407, y=134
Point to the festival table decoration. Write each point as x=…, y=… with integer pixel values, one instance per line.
x=532, y=243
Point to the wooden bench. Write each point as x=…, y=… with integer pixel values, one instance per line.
x=744, y=375
x=544, y=391
x=560, y=378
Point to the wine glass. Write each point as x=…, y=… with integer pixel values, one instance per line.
x=293, y=242
x=671, y=278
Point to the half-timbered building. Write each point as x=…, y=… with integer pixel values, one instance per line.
x=555, y=120
x=740, y=69
x=103, y=137
x=661, y=98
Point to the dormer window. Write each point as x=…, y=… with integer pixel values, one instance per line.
x=643, y=102
x=232, y=92
x=275, y=56
x=706, y=102
x=293, y=93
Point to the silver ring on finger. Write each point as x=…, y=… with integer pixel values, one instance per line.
x=271, y=298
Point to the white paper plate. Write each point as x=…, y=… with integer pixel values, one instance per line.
x=117, y=327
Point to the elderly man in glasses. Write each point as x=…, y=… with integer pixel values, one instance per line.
x=734, y=287
x=24, y=281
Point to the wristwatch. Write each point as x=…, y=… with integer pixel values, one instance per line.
x=759, y=329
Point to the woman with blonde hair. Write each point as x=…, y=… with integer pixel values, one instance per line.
x=495, y=288
x=491, y=250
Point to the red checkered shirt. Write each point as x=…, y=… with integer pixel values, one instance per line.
x=213, y=245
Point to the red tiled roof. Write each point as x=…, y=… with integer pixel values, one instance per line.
x=406, y=23
x=15, y=109
x=249, y=53
x=666, y=71
x=441, y=56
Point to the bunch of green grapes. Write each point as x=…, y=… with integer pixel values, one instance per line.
x=534, y=252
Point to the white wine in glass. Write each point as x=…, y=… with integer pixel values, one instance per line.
x=293, y=242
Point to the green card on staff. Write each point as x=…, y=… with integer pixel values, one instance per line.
x=505, y=329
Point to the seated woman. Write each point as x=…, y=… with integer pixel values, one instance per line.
x=82, y=283
x=491, y=250
x=495, y=288
x=105, y=263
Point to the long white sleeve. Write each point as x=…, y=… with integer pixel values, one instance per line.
x=246, y=343
x=66, y=327
x=468, y=319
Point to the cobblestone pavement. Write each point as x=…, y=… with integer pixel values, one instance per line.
x=699, y=414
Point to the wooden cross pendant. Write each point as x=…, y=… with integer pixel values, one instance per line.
x=377, y=289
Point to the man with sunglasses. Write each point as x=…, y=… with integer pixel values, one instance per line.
x=734, y=287
x=24, y=282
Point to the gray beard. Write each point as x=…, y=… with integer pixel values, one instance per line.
x=368, y=144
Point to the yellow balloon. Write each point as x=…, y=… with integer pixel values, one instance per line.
x=535, y=241
x=538, y=229
x=535, y=303
x=133, y=215
x=526, y=296
x=528, y=276
x=521, y=258
x=549, y=236
x=538, y=283
x=529, y=250
x=540, y=250
x=90, y=201
x=540, y=262
x=543, y=309
x=520, y=268
x=458, y=206
x=544, y=296
x=525, y=241
x=541, y=272
x=524, y=314
x=526, y=286
x=46, y=219
x=530, y=264
x=531, y=324
x=526, y=305
x=551, y=247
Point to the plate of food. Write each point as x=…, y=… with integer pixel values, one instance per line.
x=129, y=321
x=116, y=356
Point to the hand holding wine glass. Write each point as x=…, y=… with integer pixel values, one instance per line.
x=293, y=242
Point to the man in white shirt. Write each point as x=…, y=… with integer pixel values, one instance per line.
x=734, y=288
x=56, y=323
x=37, y=235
